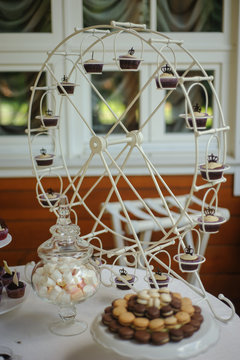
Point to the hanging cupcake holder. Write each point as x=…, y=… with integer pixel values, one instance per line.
x=166, y=276
x=210, y=226
x=133, y=255
x=189, y=265
x=49, y=119
x=215, y=173
x=168, y=83
x=93, y=66
x=195, y=122
x=126, y=62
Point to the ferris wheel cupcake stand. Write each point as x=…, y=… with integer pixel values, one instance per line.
x=90, y=59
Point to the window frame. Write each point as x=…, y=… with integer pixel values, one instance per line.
x=28, y=51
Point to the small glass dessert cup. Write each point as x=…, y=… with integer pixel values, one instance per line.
x=66, y=275
x=129, y=61
x=188, y=261
x=200, y=118
x=213, y=170
x=3, y=230
x=48, y=119
x=129, y=278
x=69, y=87
x=16, y=288
x=44, y=159
x=162, y=279
x=51, y=197
x=166, y=80
x=93, y=66
x=210, y=222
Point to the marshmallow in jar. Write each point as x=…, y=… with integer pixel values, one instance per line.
x=66, y=274
x=65, y=280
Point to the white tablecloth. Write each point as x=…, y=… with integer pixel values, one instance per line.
x=25, y=329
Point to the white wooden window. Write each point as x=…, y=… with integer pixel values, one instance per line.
x=171, y=152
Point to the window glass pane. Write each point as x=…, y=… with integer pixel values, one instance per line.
x=14, y=101
x=190, y=15
x=118, y=89
x=97, y=12
x=175, y=104
x=25, y=16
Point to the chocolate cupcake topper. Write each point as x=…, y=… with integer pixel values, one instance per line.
x=43, y=151
x=197, y=107
x=212, y=158
x=64, y=78
x=158, y=272
x=209, y=211
x=49, y=112
x=50, y=191
x=167, y=69
x=131, y=51
x=123, y=272
x=189, y=250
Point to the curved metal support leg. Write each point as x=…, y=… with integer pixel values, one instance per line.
x=220, y=297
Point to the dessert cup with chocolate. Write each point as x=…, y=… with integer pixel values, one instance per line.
x=200, y=118
x=16, y=288
x=44, y=159
x=213, y=170
x=93, y=66
x=188, y=261
x=162, y=279
x=49, y=120
x=166, y=80
x=8, y=278
x=129, y=61
x=3, y=230
x=68, y=86
x=120, y=284
x=51, y=195
x=210, y=222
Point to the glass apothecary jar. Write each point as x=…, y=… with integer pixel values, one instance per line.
x=66, y=274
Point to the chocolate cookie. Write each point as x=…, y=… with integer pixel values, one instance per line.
x=176, y=334
x=188, y=330
x=153, y=312
x=166, y=311
x=125, y=332
x=160, y=338
x=106, y=318
x=142, y=336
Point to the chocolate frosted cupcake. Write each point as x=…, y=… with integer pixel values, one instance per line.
x=44, y=159
x=51, y=195
x=129, y=61
x=7, y=277
x=3, y=230
x=213, y=170
x=16, y=289
x=210, y=222
x=166, y=80
x=48, y=120
x=162, y=279
x=68, y=86
x=188, y=261
x=93, y=66
x=200, y=118
x=128, y=277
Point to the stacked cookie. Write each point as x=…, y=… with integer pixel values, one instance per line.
x=154, y=316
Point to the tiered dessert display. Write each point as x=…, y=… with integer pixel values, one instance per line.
x=89, y=60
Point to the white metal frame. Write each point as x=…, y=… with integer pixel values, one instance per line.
x=100, y=147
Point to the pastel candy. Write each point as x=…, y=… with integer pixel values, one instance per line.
x=50, y=282
x=88, y=290
x=56, y=275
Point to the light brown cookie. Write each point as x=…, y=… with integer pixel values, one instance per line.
x=156, y=325
x=119, y=302
x=140, y=323
x=118, y=310
x=182, y=317
x=126, y=318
